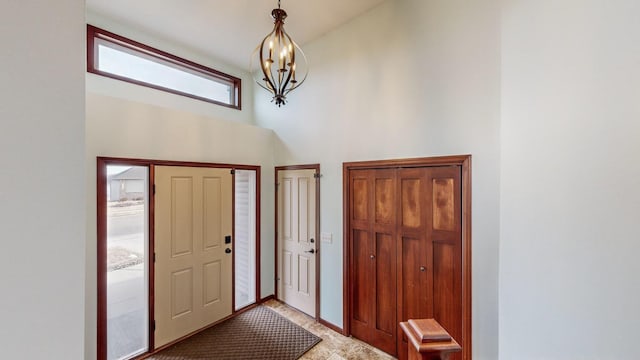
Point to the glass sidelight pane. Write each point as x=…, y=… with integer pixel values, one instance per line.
x=127, y=261
x=245, y=241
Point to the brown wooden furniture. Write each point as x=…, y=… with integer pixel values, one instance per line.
x=428, y=340
x=405, y=225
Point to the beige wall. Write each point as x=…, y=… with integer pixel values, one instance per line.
x=42, y=179
x=129, y=129
x=570, y=200
x=407, y=79
x=130, y=121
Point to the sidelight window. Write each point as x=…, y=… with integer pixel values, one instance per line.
x=127, y=261
x=245, y=242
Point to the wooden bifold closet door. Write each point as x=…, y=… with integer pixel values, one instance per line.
x=373, y=257
x=405, y=246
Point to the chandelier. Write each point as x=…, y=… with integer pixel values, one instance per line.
x=278, y=64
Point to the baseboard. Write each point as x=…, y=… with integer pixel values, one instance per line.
x=331, y=326
x=267, y=298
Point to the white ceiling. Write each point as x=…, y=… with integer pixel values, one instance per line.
x=229, y=30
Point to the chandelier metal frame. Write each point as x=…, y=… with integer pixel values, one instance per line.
x=278, y=76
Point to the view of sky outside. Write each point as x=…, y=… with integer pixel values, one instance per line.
x=115, y=169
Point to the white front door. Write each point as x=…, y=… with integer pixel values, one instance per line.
x=296, y=239
x=193, y=268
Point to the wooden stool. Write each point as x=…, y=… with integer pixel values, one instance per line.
x=428, y=340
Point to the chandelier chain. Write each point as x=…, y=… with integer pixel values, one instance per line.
x=278, y=4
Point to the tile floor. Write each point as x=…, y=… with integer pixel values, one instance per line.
x=333, y=346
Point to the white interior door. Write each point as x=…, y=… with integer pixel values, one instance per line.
x=296, y=239
x=193, y=268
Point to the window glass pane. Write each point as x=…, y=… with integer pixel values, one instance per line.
x=127, y=261
x=122, y=61
x=245, y=242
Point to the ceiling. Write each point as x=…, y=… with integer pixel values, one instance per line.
x=228, y=30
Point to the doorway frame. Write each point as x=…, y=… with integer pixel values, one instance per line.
x=315, y=167
x=101, y=240
x=464, y=161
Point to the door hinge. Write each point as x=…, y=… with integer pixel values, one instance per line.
x=154, y=257
x=233, y=171
x=154, y=325
x=317, y=176
x=154, y=189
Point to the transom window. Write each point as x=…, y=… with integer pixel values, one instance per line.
x=120, y=58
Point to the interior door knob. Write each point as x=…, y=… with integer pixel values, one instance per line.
x=312, y=251
x=372, y=257
x=227, y=250
x=422, y=268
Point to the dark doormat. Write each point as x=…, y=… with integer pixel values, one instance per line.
x=259, y=333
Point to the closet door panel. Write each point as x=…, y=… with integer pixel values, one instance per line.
x=445, y=234
x=384, y=306
x=414, y=264
x=411, y=204
x=360, y=196
x=415, y=304
x=362, y=292
x=383, y=330
x=415, y=261
x=361, y=249
x=445, y=283
x=384, y=199
x=385, y=295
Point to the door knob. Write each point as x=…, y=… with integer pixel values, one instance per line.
x=312, y=241
x=422, y=268
x=227, y=250
x=312, y=251
x=372, y=257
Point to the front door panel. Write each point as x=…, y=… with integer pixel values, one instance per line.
x=193, y=273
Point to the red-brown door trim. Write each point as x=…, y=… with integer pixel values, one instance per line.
x=315, y=167
x=464, y=161
x=101, y=197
